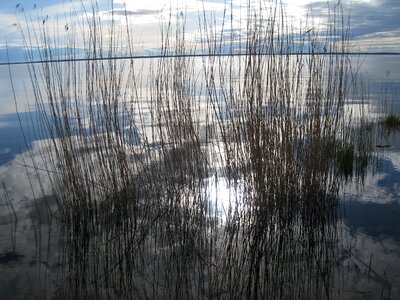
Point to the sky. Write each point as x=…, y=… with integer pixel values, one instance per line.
x=375, y=24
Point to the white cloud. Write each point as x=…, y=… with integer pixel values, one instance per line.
x=25, y=177
x=146, y=17
x=166, y=5
x=4, y=124
x=4, y=150
x=372, y=189
x=31, y=174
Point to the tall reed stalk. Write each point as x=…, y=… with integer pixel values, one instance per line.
x=141, y=161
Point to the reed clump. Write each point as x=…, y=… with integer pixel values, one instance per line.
x=345, y=158
x=391, y=122
x=185, y=184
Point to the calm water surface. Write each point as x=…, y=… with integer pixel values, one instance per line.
x=368, y=266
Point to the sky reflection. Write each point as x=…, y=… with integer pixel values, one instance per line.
x=372, y=213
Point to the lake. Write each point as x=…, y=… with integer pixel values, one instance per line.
x=182, y=231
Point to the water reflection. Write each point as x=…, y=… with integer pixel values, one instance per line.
x=26, y=265
x=371, y=220
x=179, y=251
x=368, y=264
x=377, y=220
x=190, y=220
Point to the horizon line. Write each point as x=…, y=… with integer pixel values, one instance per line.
x=135, y=57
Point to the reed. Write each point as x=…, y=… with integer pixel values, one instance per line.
x=391, y=121
x=13, y=221
x=218, y=183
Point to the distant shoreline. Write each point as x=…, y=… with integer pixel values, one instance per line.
x=188, y=55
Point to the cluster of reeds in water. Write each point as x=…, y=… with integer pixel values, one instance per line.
x=137, y=160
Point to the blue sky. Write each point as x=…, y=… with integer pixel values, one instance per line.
x=375, y=24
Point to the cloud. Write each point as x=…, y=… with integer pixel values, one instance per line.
x=374, y=25
x=381, y=185
x=5, y=151
x=128, y=13
x=32, y=174
x=23, y=182
x=4, y=124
